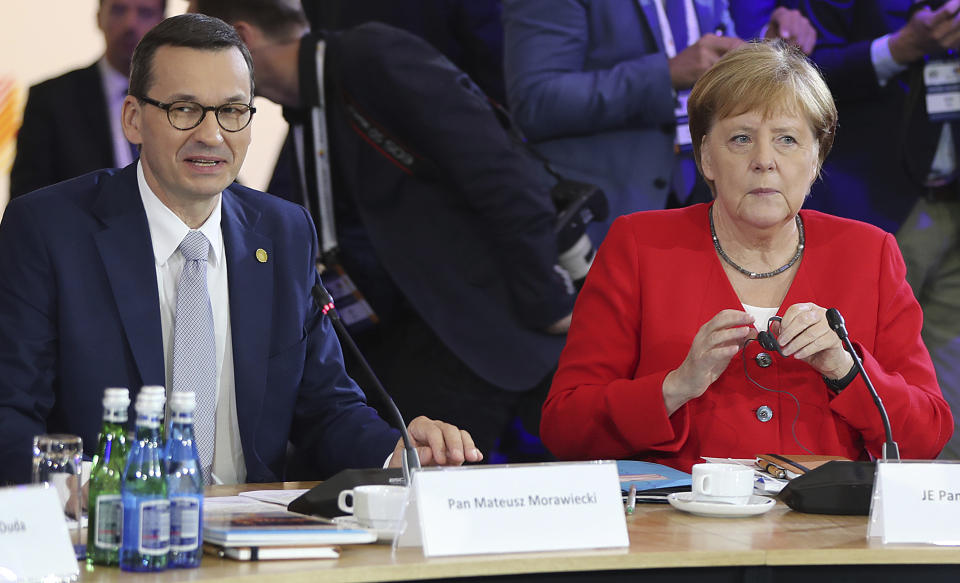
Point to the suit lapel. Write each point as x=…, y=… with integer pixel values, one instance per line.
x=127, y=255
x=250, y=284
x=653, y=23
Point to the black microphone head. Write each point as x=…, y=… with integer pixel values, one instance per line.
x=835, y=320
x=323, y=299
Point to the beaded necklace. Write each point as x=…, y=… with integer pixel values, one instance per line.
x=754, y=274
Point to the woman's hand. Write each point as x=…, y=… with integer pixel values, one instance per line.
x=806, y=335
x=715, y=344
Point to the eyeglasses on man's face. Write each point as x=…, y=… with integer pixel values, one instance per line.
x=186, y=115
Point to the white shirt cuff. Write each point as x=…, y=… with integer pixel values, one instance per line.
x=883, y=64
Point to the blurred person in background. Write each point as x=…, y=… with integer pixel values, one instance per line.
x=468, y=32
x=71, y=123
x=600, y=87
x=427, y=209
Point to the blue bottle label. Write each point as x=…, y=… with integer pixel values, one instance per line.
x=184, y=523
x=154, y=527
x=109, y=522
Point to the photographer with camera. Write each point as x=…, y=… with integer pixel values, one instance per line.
x=438, y=231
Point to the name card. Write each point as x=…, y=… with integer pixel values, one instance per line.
x=519, y=508
x=34, y=541
x=916, y=502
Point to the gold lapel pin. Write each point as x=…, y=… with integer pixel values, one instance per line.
x=261, y=256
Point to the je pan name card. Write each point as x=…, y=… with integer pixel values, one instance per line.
x=916, y=502
x=519, y=508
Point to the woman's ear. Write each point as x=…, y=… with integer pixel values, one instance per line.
x=706, y=159
x=815, y=173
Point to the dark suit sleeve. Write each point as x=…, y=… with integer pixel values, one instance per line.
x=333, y=427
x=33, y=165
x=845, y=31
x=418, y=95
x=27, y=340
x=550, y=90
x=478, y=30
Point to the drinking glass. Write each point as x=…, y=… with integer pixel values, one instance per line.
x=57, y=462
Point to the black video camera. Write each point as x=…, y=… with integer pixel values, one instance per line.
x=577, y=203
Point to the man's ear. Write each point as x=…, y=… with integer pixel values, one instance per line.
x=247, y=33
x=131, y=119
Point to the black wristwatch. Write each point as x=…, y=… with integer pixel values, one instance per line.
x=837, y=385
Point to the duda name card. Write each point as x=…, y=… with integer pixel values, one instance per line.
x=520, y=508
x=34, y=541
x=916, y=502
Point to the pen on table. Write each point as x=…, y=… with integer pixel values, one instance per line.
x=632, y=499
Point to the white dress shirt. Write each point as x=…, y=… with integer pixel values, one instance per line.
x=166, y=233
x=944, y=160
x=115, y=90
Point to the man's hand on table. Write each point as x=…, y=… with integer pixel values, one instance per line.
x=438, y=444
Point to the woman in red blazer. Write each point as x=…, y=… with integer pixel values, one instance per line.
x=660, y=362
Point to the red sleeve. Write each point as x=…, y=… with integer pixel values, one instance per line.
x=901, y=371
x=596, y=408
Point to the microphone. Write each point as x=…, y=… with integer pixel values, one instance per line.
x=835, y=320
x=837, y=323
x=410, y=460
x=841, y=487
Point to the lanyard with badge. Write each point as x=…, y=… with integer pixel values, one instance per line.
x=354, y=309
x=941, y=81
x=682, y=141
x=941, y=78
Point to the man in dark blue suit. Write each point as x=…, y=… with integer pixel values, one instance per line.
x=442, y=221
x=90, y=269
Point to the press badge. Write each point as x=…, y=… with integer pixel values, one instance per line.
x=941, y=78
x=354, y=310
x=682, y=142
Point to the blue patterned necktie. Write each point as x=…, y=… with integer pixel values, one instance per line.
x=194, y=344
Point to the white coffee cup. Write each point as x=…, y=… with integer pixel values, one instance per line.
x=379, y=507
x=725, y=483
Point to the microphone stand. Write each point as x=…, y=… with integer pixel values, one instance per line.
x=409, y=459
x=890, y=450
x=841, y=487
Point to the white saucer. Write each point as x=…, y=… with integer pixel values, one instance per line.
x=383, y=534
x=684, y=501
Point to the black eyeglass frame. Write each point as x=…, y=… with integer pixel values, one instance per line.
x=204, y=110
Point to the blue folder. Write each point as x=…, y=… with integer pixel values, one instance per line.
x=650, y=476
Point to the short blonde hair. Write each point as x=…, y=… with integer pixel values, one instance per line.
x=765, y=76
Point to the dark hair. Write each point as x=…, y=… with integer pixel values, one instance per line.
x=163, y=5
x=194, y=31
x=278, y=19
